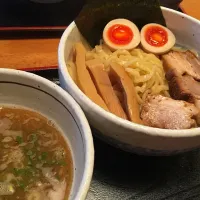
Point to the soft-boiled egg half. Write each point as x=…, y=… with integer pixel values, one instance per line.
x=121, y=34
x=157, y=39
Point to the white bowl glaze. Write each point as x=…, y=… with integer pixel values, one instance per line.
x=121, y=133
x=34, y=92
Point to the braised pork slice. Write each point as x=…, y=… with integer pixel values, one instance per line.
x=182, y=72
x=181, y=63
x=163, y=112
x=184, y=88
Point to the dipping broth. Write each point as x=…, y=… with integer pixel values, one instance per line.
x=35, y=161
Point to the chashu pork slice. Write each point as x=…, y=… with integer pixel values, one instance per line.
x=182, y=72
x=185, y=88
x=183, y=63
x=163, y=112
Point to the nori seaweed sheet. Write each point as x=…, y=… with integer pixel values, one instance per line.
x=97, y=13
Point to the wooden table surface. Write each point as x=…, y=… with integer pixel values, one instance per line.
x=28, y=53
x=191, y=7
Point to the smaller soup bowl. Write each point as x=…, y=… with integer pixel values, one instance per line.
x=33, y=92
x=122, y=133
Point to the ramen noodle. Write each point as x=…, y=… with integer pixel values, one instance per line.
x=145, y=69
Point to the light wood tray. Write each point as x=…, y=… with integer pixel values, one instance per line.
x=29, y=53
x=191, y=7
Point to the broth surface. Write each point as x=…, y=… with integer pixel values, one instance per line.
x=35, y=161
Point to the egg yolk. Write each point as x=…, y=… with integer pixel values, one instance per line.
x=120, y=34
x=156, y=36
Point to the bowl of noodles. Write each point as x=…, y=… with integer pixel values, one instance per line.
x=147, y=73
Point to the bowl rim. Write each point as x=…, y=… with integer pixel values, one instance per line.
x=84, y=125
x=78, y=94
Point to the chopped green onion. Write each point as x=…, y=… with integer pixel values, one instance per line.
x=19, y=139
x=61, y=163
x=16, y=172
x=33, y=138
x=50, y=162
x=29, y=153
x=27, y=171
x=21, y=184
x=44, y=155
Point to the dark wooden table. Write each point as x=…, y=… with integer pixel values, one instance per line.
x=117, y=175
x=27, y=13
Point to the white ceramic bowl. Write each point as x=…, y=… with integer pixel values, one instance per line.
x=121, y=133
x=34, y=92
